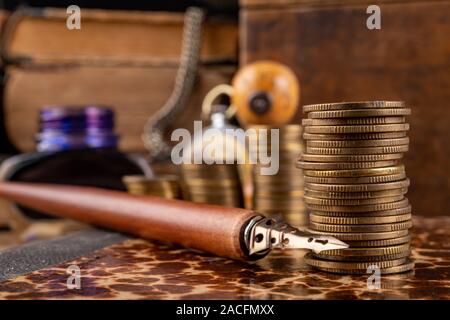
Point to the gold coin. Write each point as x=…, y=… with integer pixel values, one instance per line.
x=351, y=158
x=363, y=236
x=211, y=172
x=354, y=105
x=217, y=176
x=143, y=179
x=213, y=190
x=293, y=214
x=359, y=220
x=225, y=194
x=277, y=185
x=394, y=212
x=233, y=204
x=156, y=183
x=166, y=186
x=285, y=150
x=283, y=128
x=352, y=121
x=267, y=141
x=292, y=180
x=359, y=113
x=355, y=195
x=153, y=192
x=350, y=202
x=286, y=168
x=357, y=143
x=399, y=169
x=355, y=136
x=212, y=183
x=281, y=176
x=358, y=187
x=369, y=150
x=327, y=210
x=345, y=165
x=282, y=203
x=264, y=207
x=155, y=186
x=359, y=195
x=285, y=163
x=214, y=197
x=287, y=212
x=288, y=144
x=374, y=251
x=379, y=243
x=356, y=180
x=386, y=257
x=360, y=228
x=296, y=222
x=357, y=129
x=283, y=172
x=132, y=189
x=208, y=168
x=210, y=175
x=167, y=195
x=407, y=266
x=282, y=195
x=309, y=259
x=273, y=211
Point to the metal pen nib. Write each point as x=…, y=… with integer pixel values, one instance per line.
x=263, y=234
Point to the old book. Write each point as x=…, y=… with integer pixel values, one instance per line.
x=3, y=17
x=127, y=60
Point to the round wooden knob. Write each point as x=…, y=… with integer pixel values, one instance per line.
x=265, y=92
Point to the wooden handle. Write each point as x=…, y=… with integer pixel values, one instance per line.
x=209, y=228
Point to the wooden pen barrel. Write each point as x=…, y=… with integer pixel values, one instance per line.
x=209, y=228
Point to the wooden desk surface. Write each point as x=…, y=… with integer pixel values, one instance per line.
x=138, y=269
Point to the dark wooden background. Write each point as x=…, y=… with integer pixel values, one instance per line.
x=338, y=59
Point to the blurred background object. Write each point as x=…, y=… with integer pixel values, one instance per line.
x=165, y=186
x=127, y=56
x=220, y=177
x=134, y=70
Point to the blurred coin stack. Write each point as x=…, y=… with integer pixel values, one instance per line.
x=355, y=185
x=61, y=128
x=165, y=186
x=213, y=183
x=100, y=127
x=280, y=194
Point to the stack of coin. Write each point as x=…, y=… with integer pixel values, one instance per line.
x=280, y=194
x=213, y=183
x=355, y=185
x=165, y=186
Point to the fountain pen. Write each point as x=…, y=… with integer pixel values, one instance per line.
x=228, y=232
